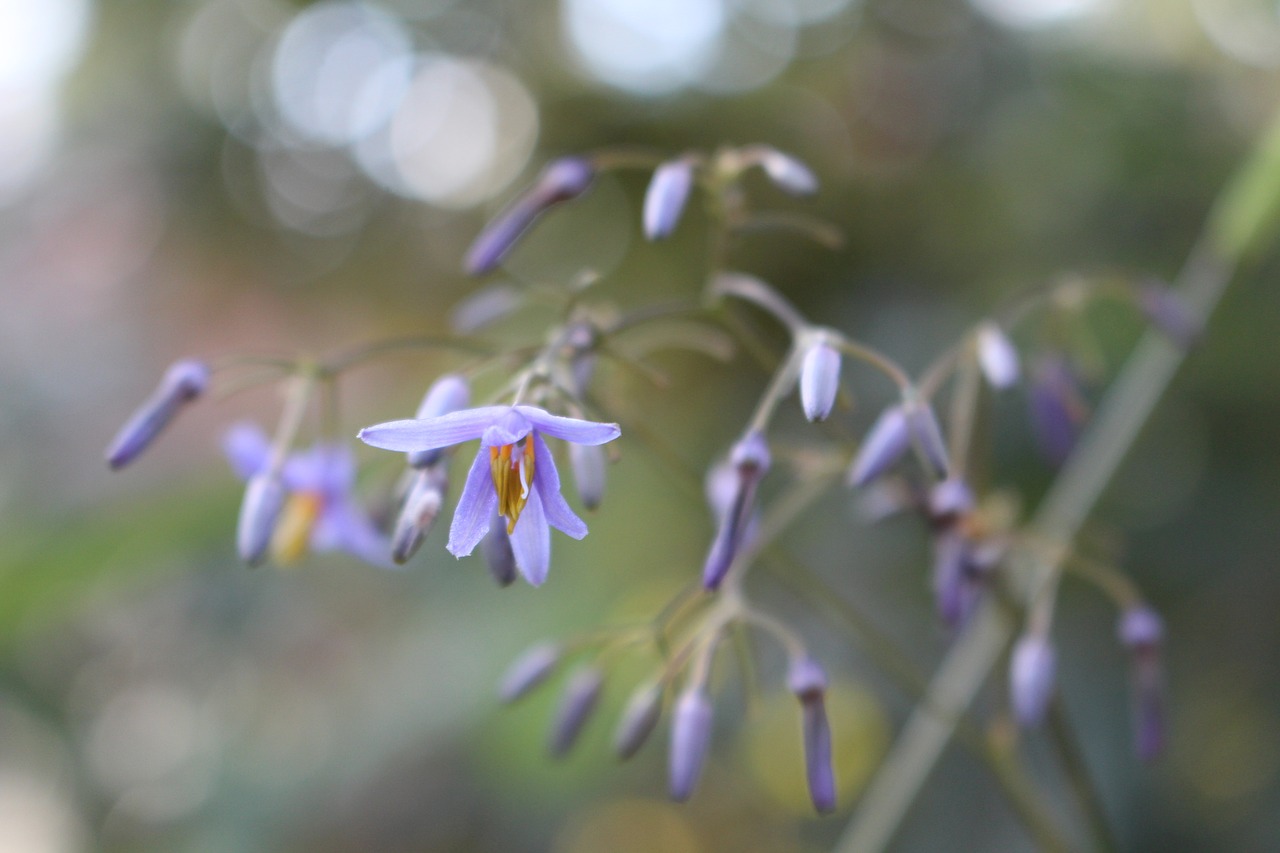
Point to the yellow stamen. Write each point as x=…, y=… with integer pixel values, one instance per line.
x=293, y=530
x=512, y=479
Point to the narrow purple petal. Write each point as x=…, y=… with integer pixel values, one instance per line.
x=885, y=443
x=247, y=448
x=570, y=429
x=819, y=381
x=665, y=198
x=263, y=499
x=579, y=700
x=182, y=383
x=475, y=506
x=954, y=592
x=638, y=721
x=448, y=394
x=498, y=554
x=454, y=428
x=1058, y=408
x=529, y=670
x=531, y=541
x=928, y=437
x=690, y=738
x=500, y=236
x=546, y=483
x=1031, y=678
x=817, y=753
x=508, y=429
x=345, y=527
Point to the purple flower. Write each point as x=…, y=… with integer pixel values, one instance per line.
x=312, y=500
x=665, y=198
x=690, y=738
x=750, y=461
x=1032, y=670
x=890, y=437
x=808, y=682
x=513, y=473
x=997, y=356
x=560, y=181
x=819, y=380
x=183, y=382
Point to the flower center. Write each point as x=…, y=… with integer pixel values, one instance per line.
x=512, y=469
x=293, y=530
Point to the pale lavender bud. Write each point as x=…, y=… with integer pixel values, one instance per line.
x=950, y=499
x=447, y=394
x=928, y=436
x=419, y=513
x=997, y=357
x=1031, y=678
x=498, y=554
x=183, y=382
x=484, y=308
x=1057, y=408
x=819, y=380
x=1166, y=311
x=690, y=739
x=750, y=460
x=638, y=721
x=1140, y=628
x=1141, y=631
x=263, y=499
x=577, y=703
x=588, y=464
x=788, y=172
x=665, y=198
x=808, y=682
x=528, y=671
x=885, y=443
x=560, y=181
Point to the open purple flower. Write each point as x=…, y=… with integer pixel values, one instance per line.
x=517, y=476
x=319, y=512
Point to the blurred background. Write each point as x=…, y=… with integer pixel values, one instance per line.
x=206, y=177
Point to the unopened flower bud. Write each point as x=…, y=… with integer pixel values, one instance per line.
x=1166, y=311
x=950, y=499
x=665, y=198
x=750, y=460
x=808, y=682
x=420, y=511
x=588, y=463
x=1141, y=631
x=1140, y=628
x=885, y=443
x=690, y=739
x=498, y=555
x=1057, y=408
x=528, y=671
x=928, y=436
x=819, y=380
x=1032, y=670
x=447, y=394
x=638, y=721
x=484, y=308
x=787, y=172
x=263, y=499
x=560, y=181
x=997, y=357
x=577, y=703
x=183, y=382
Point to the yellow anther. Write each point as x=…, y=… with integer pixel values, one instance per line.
x=512, y=470
x=293, y=531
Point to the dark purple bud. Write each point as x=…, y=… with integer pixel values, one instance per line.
x=928, y=436
x=665, y=199
x=750, y=460
x=1057, y=408
x=263, y=499
x=560, y=181
x=638, y=721
x=1032, y=670
x=787, y=172
x=949, y=500
x=588, y=465
x=577, y=703
x=953, y=593
x=528, y=671
x=1141, y=631
x=419, y=513
x=885, y=443
x=997, y=357
x=690, y=739
x=183, y=382
x=1165, y=310
x=447, y=394
x=496, y=547
x=808, y=682
x=819, y=380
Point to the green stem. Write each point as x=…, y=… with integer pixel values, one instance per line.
x=1077, y=771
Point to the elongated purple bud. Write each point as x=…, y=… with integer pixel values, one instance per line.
x=560, y=181
x=447, y=394
x=1141, y=631
x=577, y=703
x=588, y=464
x=665, y=198
x=1165, y=310
x=997, y=357
x=498, y=555
x=750, y=460
x=807, y=680
x=638, y=721
x=787, y=172
x=263, y=498
x=952, y=595
x=885, y=443
x=928, y=436
x=819, y=380
x=1057, y=408
x=484, y=308
x=690, y=739
x=421, y=509
x=183, y=382
x=528, y=671
x=1032, y=670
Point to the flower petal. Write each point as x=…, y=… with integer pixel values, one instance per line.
x=508, y=429
x=531, y=541
x=546, y=483
x=477, y=503
x=443, y=431
x=247, y=448
x=344, y=527
x=570, y=429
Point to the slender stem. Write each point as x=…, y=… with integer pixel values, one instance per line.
x=754, y=290
x=964, y=413
x=1077, y=770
